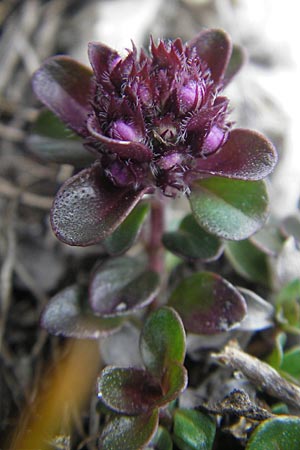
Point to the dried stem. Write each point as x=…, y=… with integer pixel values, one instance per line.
x=260, y=374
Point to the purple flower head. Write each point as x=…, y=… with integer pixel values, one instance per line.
x=156, y=120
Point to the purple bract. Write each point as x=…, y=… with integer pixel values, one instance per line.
x=154, y=120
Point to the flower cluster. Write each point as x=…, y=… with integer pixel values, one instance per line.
x=151, y=120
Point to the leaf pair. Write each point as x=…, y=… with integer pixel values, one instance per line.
x=138, y=393
x=118, y=287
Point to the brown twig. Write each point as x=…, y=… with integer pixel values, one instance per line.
x=260, y=374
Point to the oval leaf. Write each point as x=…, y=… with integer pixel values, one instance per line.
x=128, y=390
x=248, y=261
x=192, y=242
x=162, y=340
x=66, y=315
x=232, y=209
x=129, y=432
x=193, y=430
x=247, y=155
x=208, y=304
x=125, y=235
x=64, y=86
x=214, y=47
x=122, y=285
x=281, y=433
x=88, y=208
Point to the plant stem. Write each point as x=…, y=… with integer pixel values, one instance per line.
x=154, y=248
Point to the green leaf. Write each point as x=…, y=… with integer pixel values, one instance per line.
x=125, y=235
x=248, y=261
x=50, y=139
x=193, y=430
x=129, y=432
x=192, y=242
x=128, y=391
x=67, y=314
x=122, y=285
x=161, y=441
x=162, y=340
x=281, y=433
x=231, y=209
x=276, y=356
x=288, y=306
x=208, y=304
x=291, y=362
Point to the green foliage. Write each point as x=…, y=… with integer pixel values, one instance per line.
x=193, y=430
x=138, y=392
x=249, y=262
x=125, y=235
x=280, y=433
x=191, y=241
x=230, y=209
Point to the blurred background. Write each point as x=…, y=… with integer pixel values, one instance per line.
x=265, y=96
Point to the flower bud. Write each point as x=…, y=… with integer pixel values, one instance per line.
x=213, y=141
x=190, y=96
x=123, y=131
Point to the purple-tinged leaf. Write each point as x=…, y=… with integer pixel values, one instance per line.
x=122, y=285
x=129, y=432
x=174, y=381
x=208, y=304
x=214, y=47
x=162, y=340
x=231, y=209
x=130, y=391
x=65, y=86
x=124, y=149
x=191, y=241
x=88, y=208
x=247, y=155
x=237, y=60
x=66, y=314
x=102, y=59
